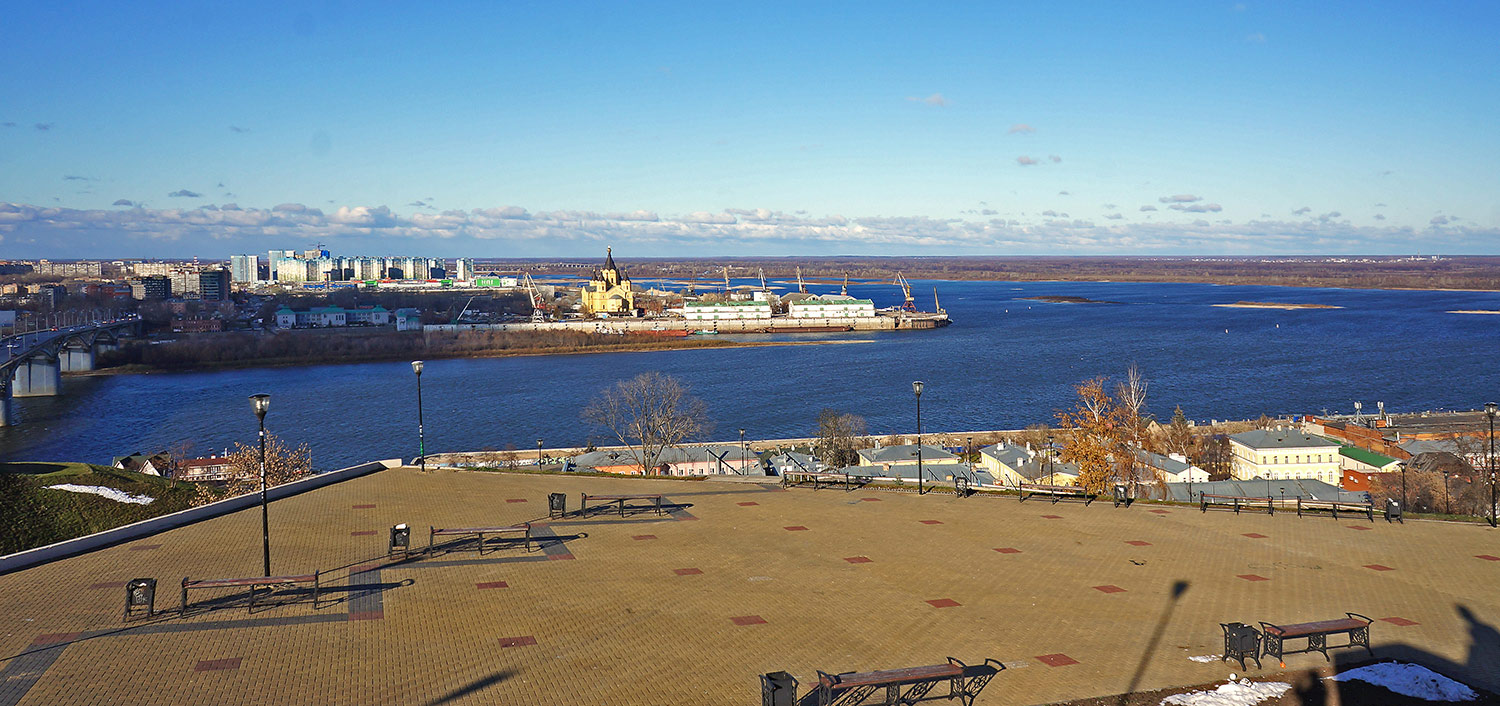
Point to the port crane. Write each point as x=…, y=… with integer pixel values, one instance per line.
x=844, y=291
x=910, y=304
x=539, y=310
x=801, y=286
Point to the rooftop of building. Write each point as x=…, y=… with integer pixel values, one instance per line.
x=905, y=452
x=740, y=579
x=1365, y=456
x=1282, y=439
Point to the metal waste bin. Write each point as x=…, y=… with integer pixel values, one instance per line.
x=400, y=539
x=1241, y=641
x=140, y=594
x=1121, y=495
x=557, y=504
x=778, y=689
x=1393, y=510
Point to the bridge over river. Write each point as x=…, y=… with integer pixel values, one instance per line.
x=35, y=360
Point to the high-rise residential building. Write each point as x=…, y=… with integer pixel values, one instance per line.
x=244, y=268
x=184, y=282
x=213, y=285
x=148, y=269
x=151, y=287
x=274, y=258
x=463, y=269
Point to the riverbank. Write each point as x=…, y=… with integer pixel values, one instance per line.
x=633, y=345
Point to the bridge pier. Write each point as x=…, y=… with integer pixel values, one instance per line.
x=75, y=360
x=37, y=377
x=5, y=420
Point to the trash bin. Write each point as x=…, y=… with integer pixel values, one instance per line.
x=1393, y=511
x=1121, y=498
x=1241, y=641
x=778, y=689
x=400, y=539
x=557, y=504
x=140, y=594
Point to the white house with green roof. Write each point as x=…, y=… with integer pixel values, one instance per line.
x=726, y=311
x=1354, y=458
x=332, y=316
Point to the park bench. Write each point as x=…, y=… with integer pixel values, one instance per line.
x=1057, y=492
x=1356, y=626
x=1334, y=506
x=620, y=501
x=523, y=529
x=822, y=478
x=852, y=688
x=315, y=578
x=1236, y=501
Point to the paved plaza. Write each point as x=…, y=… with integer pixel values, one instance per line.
x=740, y=579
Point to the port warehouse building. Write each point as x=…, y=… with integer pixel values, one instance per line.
x=760, y=310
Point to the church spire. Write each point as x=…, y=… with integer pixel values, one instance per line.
x=609, y=258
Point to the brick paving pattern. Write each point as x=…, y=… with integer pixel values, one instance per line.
x=425, y=630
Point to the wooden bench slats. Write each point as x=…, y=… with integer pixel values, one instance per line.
x=1304, y=629
x=623, y=497
x=892, y=676
x=484, y=530
x=262, y=581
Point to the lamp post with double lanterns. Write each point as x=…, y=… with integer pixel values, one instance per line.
x=916, y=387
x=1490, y=408
x=261, y=404
x=743, y=452
x=416, y=367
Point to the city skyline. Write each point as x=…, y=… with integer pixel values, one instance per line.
x=1226, y=128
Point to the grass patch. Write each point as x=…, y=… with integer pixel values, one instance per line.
x=32, y=515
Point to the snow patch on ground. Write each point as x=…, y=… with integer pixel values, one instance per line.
x=1205, y=658
x=115, y=495
x=1412, y=680
x=1240, y=693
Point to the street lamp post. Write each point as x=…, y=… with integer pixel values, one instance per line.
x=261, y=404
x=1049, y=458
x=969, y=448
x=416, y=367
x=743, y=453
x=1490, y=408
x=539, y=454
x=916, y=387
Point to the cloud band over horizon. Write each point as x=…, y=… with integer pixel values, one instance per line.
x=220, y=230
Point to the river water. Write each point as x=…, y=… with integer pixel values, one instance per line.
x=1004, y=363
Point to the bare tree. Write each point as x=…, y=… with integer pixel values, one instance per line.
x=283, y=465
x=1037, y=435
x=648, y=414
x=1215, y=456
x=839, y=438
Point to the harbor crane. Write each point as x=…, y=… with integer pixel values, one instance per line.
x=844, y=291
x=539, y=310
x=910, y=304
x=801, y=286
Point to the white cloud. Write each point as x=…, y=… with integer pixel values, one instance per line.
x=1022, y=128
x=1147, y=207
x=1114, y=216
x=935, y=99
x=1197, y=207
x=37, y=231
x=1054, y=158
x=1025, y=161
x=1256, y=38
x=1180, y=198
x=1302, y=211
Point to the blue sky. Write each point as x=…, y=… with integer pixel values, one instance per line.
x=509, y=129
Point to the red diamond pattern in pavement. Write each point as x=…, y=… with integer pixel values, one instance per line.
x=1056, y=660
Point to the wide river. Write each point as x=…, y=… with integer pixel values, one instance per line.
x=1004, y=363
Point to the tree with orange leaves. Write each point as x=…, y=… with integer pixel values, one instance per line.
x=1094, y=433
